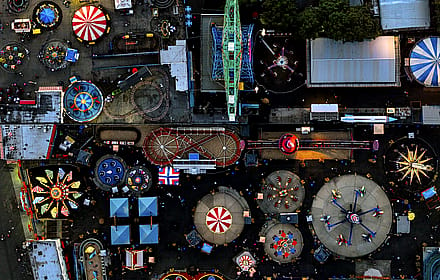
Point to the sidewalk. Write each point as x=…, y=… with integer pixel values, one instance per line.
x=25, y=219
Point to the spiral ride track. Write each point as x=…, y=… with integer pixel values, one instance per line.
x=163, y=145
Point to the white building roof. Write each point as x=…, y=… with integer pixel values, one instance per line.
x=47, y=260
x=176, y=57
x=27, y=141
x=404, y=14
x=353, y=64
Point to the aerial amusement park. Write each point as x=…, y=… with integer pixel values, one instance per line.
x=197, y=148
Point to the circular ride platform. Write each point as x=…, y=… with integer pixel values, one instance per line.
x=276, y=63
x=282, y=193
x=13, y=56
x=47, y=15
x=109, y=172
x=411, y=162
x=163, y=145
x=283, y=243
x=352, y=215
x=53, y=54
x=139, y=179
x=83, y=101
x=219, y=217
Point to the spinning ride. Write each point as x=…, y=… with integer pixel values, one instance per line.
x=89, y=23
x=282, y=191
x=18, y=6
x=284, y=242
x=12, y=57
x=83, y=101
x=55, y=190
x=53, y=55
x=219, y=218
x=109, y=172
x=425, y=61
x=139, y=179
x=411, y=161
x=48, y=15
x=352, y=215
x=277, y=63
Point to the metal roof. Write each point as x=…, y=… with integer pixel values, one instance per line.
x=47, y=260
x=176, y=57
x=404, y=14
x=353, y=64
x=27, y=142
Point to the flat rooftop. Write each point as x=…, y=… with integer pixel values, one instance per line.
x=47, y=261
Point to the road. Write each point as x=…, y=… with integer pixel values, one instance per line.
x=10, y=221
x=121, y=61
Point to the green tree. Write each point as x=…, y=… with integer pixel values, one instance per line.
x=335, y=19
x=310, y=23
x=280, y=15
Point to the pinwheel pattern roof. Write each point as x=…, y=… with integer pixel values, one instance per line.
x=425, y=61
x=55, y=192
x=89, y=23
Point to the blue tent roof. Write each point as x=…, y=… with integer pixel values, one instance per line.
x=47, y=16
x=147, y=206
x=149, y=234
x=120, y=235
x=424, y=61
x=119, y=207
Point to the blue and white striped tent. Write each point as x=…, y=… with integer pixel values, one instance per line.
x=425, y=61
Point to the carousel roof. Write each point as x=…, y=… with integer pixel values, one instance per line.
x=109, y=172
x=425, y=61
x=245, y=260
x=83, y=101
x=55, y=191
x=139, y=179
x=352, y=215
x=283, y=243
x=282, y=192
x=89, y=23
x=219, y=218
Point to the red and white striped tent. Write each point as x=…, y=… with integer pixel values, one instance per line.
x=89, y=23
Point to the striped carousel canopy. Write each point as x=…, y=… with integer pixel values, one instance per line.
x=425, y=61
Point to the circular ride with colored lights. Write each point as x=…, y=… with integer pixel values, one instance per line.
x=53, y=55
x=352, y=215
x=13, y=57
x=288, y=144
x=47, y=15
x=110, y=172
x=55, y=190
x=411, y=162
x=284, y=242
x=139, y=179
x=282, y=192
x=83, y=101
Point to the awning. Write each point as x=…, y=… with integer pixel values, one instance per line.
x=147, y=206
x=120, y=235
x=119, y=207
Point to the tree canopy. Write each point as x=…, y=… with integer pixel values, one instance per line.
x=334, y=19
x=279, y=15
